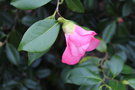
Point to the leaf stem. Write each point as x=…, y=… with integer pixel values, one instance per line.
x=59, y=2
x=105, y=85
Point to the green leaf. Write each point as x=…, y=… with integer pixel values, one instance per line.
x=43, y=73
x=110, y=7
x=115, y=85
x=83, y=76
x=89, y=60
x=109, y=32
x=34, y=56
x=122, y=54
x=29, y=20
x=122, y=33
x=64, y=73
x=90, y=4
x=131, y=82
x=91, y=63
x=28, y=4
x=2, y=35
x=127, y=9
x=14, y=38
x=10, y=83
x=42, y=12
x=40, y=36
x=6, y=19
x=22, y=88
x=133, y=1
x=132, y=43
x=102, y=46
x=128, y=70
x=75, y=5
x=82, y=87
x=30, y=83
x=116, y=65
x=12, y=54
x=93, y=87
x=131, y=52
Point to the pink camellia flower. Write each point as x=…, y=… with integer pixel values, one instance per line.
x=78, y=42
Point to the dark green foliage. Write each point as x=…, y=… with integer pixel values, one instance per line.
x=110, y=67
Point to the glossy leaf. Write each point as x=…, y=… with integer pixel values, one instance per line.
x=133, y=1
x=115, y=85
x=122, y=54
x=109, y=31
x=131, y=82
x=40, y=36
x=82, y=87
x=29, y=20
x=33, y=56
x=12, y=54
x=2, y=35
x=102, y=46
x=91, y=63
x=127, y=9
x=6, y=19
x=110, y=7
x=75, y=5
x=90, y=59
x=127, y=49
x=132, y=43
x=43, y=73
x=122, y=33
x=83, y=76
x=42, y=13
x=10, y=83
x=36, y=63
x=93, y=87
x=22, y=88
x=128, y=70
x=131, y=52
x=30, y=83
x=28, y=4
x=116, y=65
x=90, y=4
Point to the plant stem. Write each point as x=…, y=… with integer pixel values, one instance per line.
x=102, y=66
x=61, y=1
x=107, y=86
x=57, y=8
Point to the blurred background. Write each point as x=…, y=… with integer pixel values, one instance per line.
x=113, y=20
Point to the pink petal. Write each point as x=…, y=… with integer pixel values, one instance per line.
x=75, y=50
x=82, y=31
x=80, y=36
x=78, y=43
x=79, y=40
x=93, y=44
x=68, y=58
x=76, y=47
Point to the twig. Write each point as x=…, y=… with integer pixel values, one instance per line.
x=57, y=7
x=102, y=67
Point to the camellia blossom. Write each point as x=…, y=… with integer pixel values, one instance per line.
x=78, y=42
